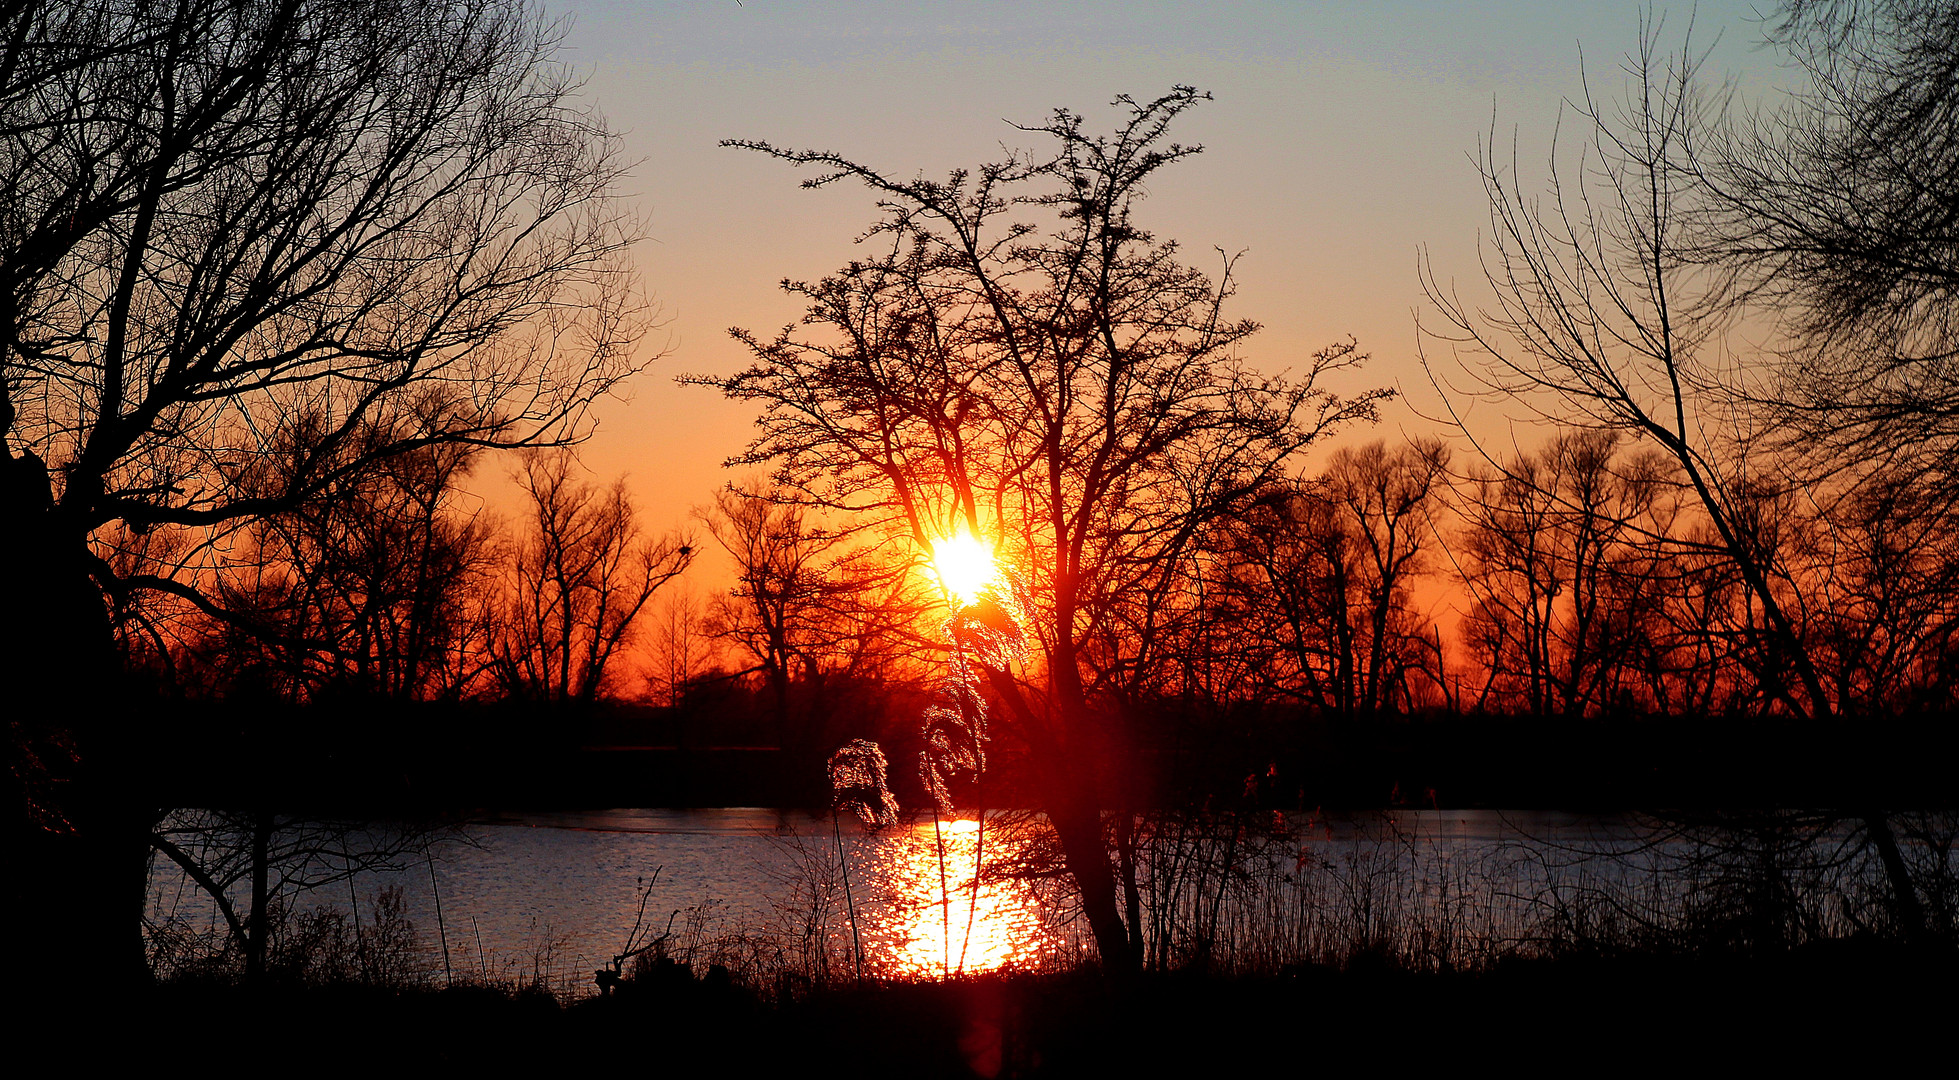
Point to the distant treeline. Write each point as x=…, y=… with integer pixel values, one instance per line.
x=1351, y=627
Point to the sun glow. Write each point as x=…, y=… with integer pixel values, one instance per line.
x=963, y=563
x=937, y=925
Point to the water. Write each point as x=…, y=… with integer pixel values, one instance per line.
x=552, y=897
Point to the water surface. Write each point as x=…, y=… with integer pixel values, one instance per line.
x=552, y=897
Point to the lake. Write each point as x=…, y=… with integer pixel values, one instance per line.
x=552, y=897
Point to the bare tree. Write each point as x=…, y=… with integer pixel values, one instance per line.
x=1384, y=500
x=579, y=577
x=1603, y=318
x=682, y=646
x=1026, y=362
x=1599, y=312
x=1321, y=569
x=808, y=603
x=252, y=251
x=1839, y=205
x=280, y=244
x=1284, y=577
x=378, y=591
x=1563, y=550
x=774, y=612
x=1881, y=571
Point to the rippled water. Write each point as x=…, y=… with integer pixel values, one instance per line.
x=553, y=896
x=556, y=895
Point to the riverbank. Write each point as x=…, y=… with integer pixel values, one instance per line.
x=1860, y=1001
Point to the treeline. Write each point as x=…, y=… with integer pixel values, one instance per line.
x=1576, y=580
x=1571, y=603
x=1572, y=597
x=395, y=587
x=1580, y=579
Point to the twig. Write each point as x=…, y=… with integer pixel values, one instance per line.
x=972, y=908
x=856, y=942
x=448, y=973
x=945, y=901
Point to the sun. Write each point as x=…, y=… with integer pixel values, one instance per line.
x=963, y=563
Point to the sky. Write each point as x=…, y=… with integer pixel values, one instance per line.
x=1340, y=146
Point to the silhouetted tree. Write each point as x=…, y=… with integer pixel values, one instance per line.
x=1383, y=502
x=1880, y=573
x=682, y=647
x=579, y=576
x=1563, y=554
x=1027, y=363
x=379, y=590
x=1839, y=204
x=293, y=239
x=1601, y=312
x=774, y=612
x=809, y=605
x=1321, y=570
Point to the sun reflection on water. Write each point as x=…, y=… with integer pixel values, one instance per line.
x=928, y=931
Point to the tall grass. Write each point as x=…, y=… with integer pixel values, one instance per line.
x=376, y=945
x=1242, y=895
x=1228, y=893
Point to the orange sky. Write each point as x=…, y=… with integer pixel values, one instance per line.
x=1341, y=142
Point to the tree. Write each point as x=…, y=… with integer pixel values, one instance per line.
x=1325, y=564
x=1285, y=581
x=1562, y=554
x=254, y=251
x=1840, y=206
x=1880, y=571
x=807, y=602
x=682, y=648
x=1023, y=361
x=1603, y=318
x=375, y=592
x=1839, y=209
x=1382, y=502
x=781, y=575
x=580, y=576
x=1598, y=311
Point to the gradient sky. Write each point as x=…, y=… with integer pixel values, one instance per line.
x=1341, y=142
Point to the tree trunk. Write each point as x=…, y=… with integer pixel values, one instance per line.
x=1068, y=798
x=256, y=929
x=1911, y=913
x=1132, y=897
x=76, y=817
x=1079, y=829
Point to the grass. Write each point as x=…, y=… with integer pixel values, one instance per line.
x=1866, y=1001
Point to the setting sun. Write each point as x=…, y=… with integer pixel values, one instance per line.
x=964, y=566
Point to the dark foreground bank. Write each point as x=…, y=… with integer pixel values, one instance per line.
x=1839, y=1004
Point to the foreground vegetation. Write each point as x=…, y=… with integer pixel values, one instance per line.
x=1745, y=938
x=1863, y=999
